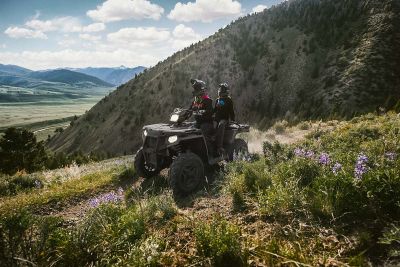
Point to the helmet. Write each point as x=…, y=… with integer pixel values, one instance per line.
x=199, y=87
x=223, y=90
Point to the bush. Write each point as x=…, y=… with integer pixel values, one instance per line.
x=11, y=185
x=280, y=127
x=305, y=125
x=220, y=241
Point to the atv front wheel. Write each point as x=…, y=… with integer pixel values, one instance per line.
x=239, y=146
x=141, y=168
x=186, y=174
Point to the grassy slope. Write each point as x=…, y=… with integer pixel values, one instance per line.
x=280, y=209
x=304, y=58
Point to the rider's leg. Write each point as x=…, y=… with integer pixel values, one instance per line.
x=220, y=134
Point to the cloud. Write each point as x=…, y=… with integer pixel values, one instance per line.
x=184, y=36
x=259, y=8
x=65, y=24
x=205, y=10
x=117, y=10
x=139, y=36
x=66, y=42
x=89, y=37
x=3, y=46
x=78, y=58
x=18, y=32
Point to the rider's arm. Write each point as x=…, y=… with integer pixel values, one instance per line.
x=208, y=109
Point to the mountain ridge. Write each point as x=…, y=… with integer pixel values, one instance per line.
x=303, y=59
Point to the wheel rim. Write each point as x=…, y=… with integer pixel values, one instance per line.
x=189, y=177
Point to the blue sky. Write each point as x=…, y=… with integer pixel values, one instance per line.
x=43, y=34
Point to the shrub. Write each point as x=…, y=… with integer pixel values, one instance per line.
x=305, y=125
x=220, y=241
x=11, y=185
x=280, y=127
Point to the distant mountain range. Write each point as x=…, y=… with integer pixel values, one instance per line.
x=115, y=76
x=12, y=75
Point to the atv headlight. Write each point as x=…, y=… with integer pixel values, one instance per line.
x=145, y=132
x=172, y=139
x=174, y=118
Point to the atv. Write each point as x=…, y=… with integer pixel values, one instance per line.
x=182, y=148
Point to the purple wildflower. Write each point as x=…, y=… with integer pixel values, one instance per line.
x=336, y=168
x=361, y=166
x=324, y=159
x=310, y=154
x=112, y=197
x=299, y=152
x=391, y=156
x=38, y=184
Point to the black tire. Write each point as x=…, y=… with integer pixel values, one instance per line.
x=140, y=166
x=186, y=174
x=238, y=146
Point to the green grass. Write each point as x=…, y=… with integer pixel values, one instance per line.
x=83, y=186
x=288, y=207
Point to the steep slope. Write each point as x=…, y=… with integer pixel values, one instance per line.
x=67, y=76
x=115, y=76
x=301, y=59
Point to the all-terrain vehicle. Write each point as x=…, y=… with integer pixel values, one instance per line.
x=182, y=147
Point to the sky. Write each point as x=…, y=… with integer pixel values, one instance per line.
x=46, y=34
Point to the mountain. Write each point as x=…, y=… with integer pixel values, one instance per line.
x=67, y=76
x=115, y=76
x=304, y=59
x=13, y=69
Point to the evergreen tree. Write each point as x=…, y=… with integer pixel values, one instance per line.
x=19, y=150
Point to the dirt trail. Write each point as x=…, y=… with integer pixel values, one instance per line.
x=256, y=138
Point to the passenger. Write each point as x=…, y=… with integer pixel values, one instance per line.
x=202, y=105
x=223, y=114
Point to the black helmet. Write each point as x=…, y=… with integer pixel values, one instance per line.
x=223, y=90
x=199, y=87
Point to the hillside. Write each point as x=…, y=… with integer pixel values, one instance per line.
x=115, y=76
x=13, y=69
x=330, y=199
x=301, y=59
x=68, y=77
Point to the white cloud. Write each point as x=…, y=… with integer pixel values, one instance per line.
x=18, y=32
x=259, y=8
x=3, y=46
x=116, y=10
x=66, y=42
x=205, y=10
x=184, y=36
x=139, y=36
x=78, y=58
x=94, y=27
x=89, y=37
x=65, y=24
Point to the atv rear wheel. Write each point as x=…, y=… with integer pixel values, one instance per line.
x=239, y=146
x=186, y=174
x=141, y=168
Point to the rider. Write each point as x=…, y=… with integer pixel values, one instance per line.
x=223, y=113
x=202, y=105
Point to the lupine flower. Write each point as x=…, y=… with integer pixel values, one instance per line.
x=310, y=154
x=299, y=152
x=336, y=168
x=112, y=197
x=391, y=156
x=324, y=159
x=38, y=184
x=361, y=166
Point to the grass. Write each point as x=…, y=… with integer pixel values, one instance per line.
x=293, y=206
x=59, y=193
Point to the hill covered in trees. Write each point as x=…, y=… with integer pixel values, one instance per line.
x=302, y=59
